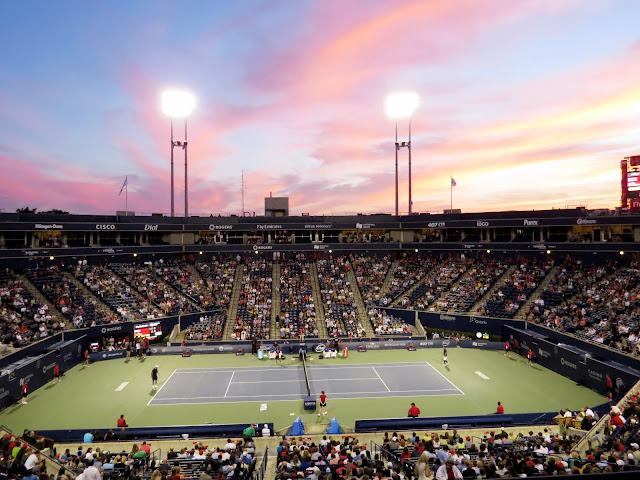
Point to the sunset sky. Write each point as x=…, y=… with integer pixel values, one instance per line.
x=527, y=104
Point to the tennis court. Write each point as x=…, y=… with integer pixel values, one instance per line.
x=225, y=385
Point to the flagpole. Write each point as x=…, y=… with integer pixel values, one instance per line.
x=451, y=187
x=126, y=197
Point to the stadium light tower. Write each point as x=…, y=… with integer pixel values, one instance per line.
x=398, y=106
x=179, y=104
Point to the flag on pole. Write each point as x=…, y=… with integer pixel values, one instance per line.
x=126, y=182
x=453, y=182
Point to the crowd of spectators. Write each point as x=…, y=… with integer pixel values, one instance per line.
x=297, y=316
x=69, y=299
x=385, y=324
x=219, y=274
x=185, y=279
x=208, y=327
x=364, y=237
x=472, y=286
x=253, y=318
x=147, y=280
x=437, y=283
x=340, y=310
x=503, y=454
x=116, y=293
x=515, y=290
x=407, y=272
x=371, y=272
x=23, y=319
x=598, y=303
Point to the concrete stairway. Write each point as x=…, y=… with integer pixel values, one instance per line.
x=507, y=273
x=522, y=312
x=317, y=301
x=38, y=297
x=100, y=306
x=357, y=297
x=275, y=300
x=233, y=303
x=387, y=281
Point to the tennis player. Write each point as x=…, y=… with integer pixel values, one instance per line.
x=154, y=378
x=445, y=361
x=278, y=354
x=323, y=404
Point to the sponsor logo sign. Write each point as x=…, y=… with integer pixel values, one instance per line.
x=49, y=226
x=150, y=227
x=116, y=328
x=436, y=224
x=320, y=247
x=319, y=225
x=268, y=226
x=587, y=221
x=595, y=375
x=567, y=363
x=448, y=318
x=478, y=321
x=543, y=353
x=530, y=223
x=365, y=225
x=481, y=223
x=220, y=227
x=320, y=348
x=262, y=247
x=105, y=226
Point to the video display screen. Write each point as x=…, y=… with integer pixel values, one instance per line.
x=150, y=330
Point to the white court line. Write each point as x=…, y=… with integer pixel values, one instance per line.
x=279, y=369
x=481, y=375
x=161, y=387
x=230, y=380
x=289, y=394
x=334, y=396
x=376, y=372
x=310, y=380
x=450, y=382
x=121, y=386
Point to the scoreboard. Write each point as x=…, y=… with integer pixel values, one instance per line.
x=149, y=330
x=630, y=183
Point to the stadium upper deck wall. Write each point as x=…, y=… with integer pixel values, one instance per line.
x=41, y=222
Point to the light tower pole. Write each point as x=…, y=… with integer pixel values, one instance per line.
x=179, y=104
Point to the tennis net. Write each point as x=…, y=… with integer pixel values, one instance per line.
x=306, y=377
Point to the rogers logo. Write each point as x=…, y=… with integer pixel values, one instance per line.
x=220, y=227
x=586, y=221
x=263, y=247
x=105, y=226
x=568, y=363
x=480, y=223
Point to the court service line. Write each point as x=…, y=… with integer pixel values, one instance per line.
x=481, y=375
x=121, y=386
x=230, y=380
x=376, y=372
x=161, y=387
x=311, y=380
x=267, y=368
x=450, y=382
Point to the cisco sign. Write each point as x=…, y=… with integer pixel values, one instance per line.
x=105, y=226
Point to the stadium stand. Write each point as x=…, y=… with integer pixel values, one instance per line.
x=297, y=316
x=253, y=318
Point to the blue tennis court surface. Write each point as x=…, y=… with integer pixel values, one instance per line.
x=264, y=384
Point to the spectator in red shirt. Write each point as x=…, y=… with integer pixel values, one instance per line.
x=500, y=409
x=122, y=422
x=25, y=391
x=56, y=373
x=414, y=411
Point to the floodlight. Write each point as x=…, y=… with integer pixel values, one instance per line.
x=401, y=104
x=178, y=103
